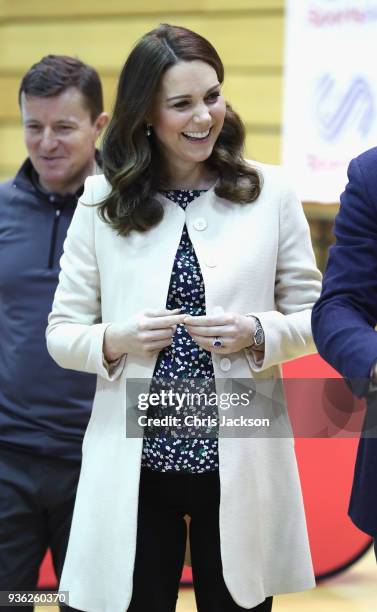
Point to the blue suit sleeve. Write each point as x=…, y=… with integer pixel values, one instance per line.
x=345, y=315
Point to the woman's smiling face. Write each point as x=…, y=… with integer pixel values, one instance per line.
x=189, y=114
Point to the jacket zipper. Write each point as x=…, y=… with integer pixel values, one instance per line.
x=54, y=233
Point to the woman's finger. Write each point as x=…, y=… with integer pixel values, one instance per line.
x=220, y=330
x=157, y=345
x=153, y=335
x=207, y=343
x=208, y=320
x=160, y=313
x=162, y=322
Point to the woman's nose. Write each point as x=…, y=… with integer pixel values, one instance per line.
x=202, y=114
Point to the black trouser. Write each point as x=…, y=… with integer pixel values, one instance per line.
x=164, y=500
x=37, y=496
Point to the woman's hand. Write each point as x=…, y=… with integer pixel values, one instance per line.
x=233, y=331
x=145, y=334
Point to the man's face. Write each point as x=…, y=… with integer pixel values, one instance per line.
x=60, y=138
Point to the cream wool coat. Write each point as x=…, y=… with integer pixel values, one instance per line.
x=254, y=258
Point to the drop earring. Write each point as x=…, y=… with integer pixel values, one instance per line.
x=148, y=130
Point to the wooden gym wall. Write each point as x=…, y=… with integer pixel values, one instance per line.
x=247, y=33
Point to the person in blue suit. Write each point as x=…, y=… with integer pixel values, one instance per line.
x=345, y=317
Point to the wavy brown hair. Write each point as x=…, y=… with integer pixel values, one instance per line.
x=131, y=160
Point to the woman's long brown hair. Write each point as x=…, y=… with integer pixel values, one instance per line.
x=131, y=161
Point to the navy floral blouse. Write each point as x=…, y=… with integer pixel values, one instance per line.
x=185, y=368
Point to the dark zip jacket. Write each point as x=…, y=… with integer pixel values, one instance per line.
x=43, y=408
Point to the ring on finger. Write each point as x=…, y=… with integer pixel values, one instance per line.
x=217, y=342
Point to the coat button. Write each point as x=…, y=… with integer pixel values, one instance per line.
x=210, y=262
x=200, y=224
x=225, y=364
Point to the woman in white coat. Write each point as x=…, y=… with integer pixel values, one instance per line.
x=183, y=262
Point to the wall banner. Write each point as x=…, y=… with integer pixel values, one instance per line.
x=330, y=95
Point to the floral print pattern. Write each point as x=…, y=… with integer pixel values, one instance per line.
x=186, y=368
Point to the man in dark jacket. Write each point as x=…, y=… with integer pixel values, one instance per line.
x=44, y=410
x=345, y=317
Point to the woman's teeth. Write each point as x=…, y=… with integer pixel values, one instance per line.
x=197, y=135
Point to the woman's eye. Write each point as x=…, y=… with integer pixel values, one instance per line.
x=213, y=96
x=211, y=99
x=181, y=104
